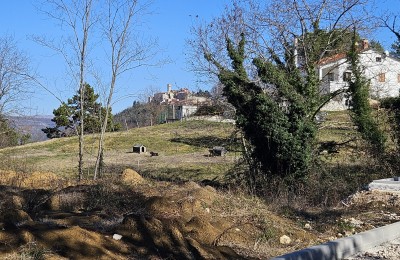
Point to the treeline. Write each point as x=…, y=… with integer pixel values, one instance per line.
x=140, y=115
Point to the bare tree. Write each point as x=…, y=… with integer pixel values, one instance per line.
x=15, y=76
x=273, y=26
x=16, y=79
x=126, y=52
x=78, y=17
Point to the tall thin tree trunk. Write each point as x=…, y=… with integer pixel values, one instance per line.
x=81, y=134
x=82, y=64
x=99, y=167
x=98, y=171
x=118, y=46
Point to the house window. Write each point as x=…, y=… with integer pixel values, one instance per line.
x=347, y=76
x=330, y=76
x=378, y=59
x=381, y=77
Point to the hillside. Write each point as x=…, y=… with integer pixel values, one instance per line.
x=173, y=205
x=32, y=125
x=182, y=148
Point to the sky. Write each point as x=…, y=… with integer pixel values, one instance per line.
x=170, y=23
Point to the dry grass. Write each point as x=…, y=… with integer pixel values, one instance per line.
x=182, y=147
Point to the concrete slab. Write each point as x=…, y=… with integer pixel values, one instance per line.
x=389, y=184
x=347, y=246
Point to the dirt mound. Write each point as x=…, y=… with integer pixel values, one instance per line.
x=130, y=176
x=41, y=180
x=77, y=243
x=36, y=180
x=174, y=239
x=69, y=199
x=154, y=219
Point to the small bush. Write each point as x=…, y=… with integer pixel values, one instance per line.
x=32, y=251
x=207, y=110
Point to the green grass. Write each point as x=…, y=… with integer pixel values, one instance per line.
x=182, y=148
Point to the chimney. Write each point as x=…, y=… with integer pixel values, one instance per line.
x=365, y=44
x=169, y=86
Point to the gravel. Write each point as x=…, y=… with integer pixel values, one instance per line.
x=387, y=251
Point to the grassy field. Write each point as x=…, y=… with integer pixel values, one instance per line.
x=182, y=148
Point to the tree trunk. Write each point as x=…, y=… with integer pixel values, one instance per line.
x=119, y=58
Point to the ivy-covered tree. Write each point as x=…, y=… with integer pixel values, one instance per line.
x=396, y=49
x=361, y=110
x=281, y=126
x=266, y=59
x=67, y=116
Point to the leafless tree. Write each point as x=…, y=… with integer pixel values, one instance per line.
x=127, y=51
x=15, y=76
x=78, y=17
x=271, y=29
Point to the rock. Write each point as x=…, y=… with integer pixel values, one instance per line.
x=117, y=237
x=307, y=226
x=348, y=233
x=355, y=222
x=18, y=202
x=285, y=240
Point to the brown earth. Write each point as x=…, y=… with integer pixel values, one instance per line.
x=154, y=220
x=45, y=217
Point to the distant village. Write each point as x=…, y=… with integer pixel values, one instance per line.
x=180, y=103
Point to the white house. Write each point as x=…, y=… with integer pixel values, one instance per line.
x=179, y=104
x=380, y=69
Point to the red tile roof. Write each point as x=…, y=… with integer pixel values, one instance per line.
x=332, y=58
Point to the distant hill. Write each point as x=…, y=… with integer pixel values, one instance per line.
x=32, y=125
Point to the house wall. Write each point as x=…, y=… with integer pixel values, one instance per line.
x=185, y=111
x=333, y=82
x=382, y=71
x=387, y=66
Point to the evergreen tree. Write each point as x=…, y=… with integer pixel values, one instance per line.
x=9, y=136
x=280, y=127
x=361, y=109
x=67, y=116
x=396, y=49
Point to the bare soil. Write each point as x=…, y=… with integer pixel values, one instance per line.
x=134, y=218
x=45, y=217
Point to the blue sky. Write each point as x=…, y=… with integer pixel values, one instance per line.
x=170, y=23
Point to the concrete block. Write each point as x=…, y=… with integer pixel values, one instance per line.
x=347, y=246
